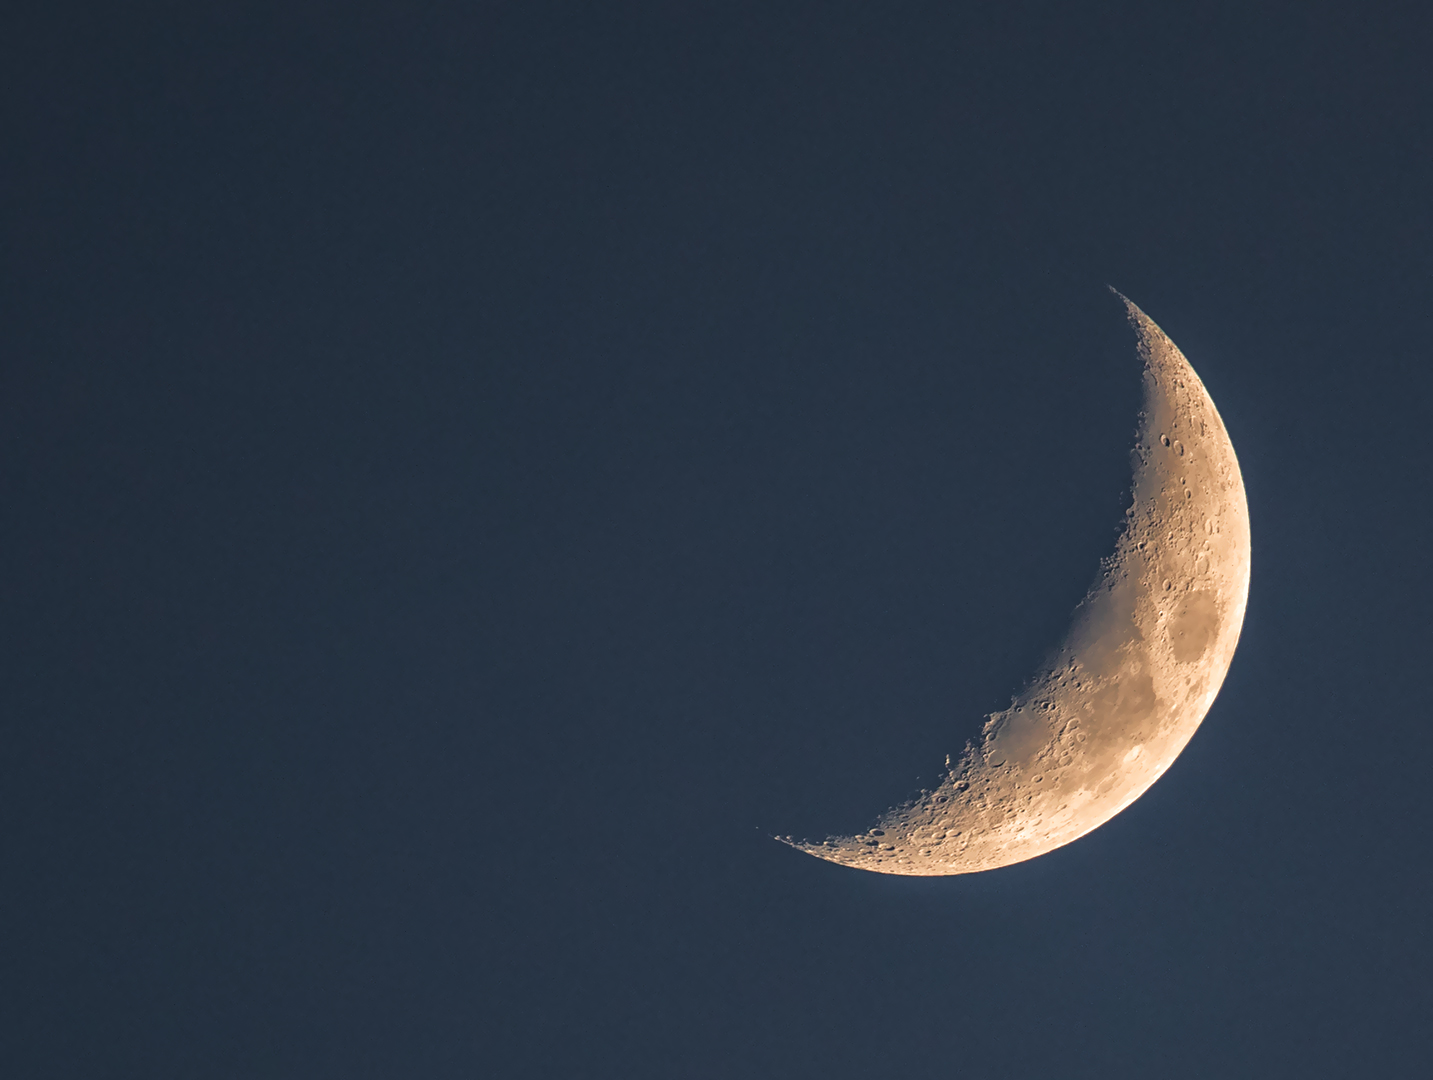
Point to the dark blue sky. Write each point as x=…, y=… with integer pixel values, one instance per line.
x=473, y=473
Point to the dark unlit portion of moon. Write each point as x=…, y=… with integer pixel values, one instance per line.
x=1122, y=695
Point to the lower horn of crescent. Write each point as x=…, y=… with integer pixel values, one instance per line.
x=1124, y=692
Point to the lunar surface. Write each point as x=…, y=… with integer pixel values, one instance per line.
x=1122, y=695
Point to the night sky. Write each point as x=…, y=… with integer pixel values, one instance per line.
x=473, y=474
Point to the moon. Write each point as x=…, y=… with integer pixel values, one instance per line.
x=1122, y=694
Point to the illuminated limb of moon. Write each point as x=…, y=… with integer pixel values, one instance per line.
x=1122, y=695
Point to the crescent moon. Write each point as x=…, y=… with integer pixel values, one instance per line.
x=1121, y=696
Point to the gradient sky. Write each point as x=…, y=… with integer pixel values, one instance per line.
x=473, y=473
